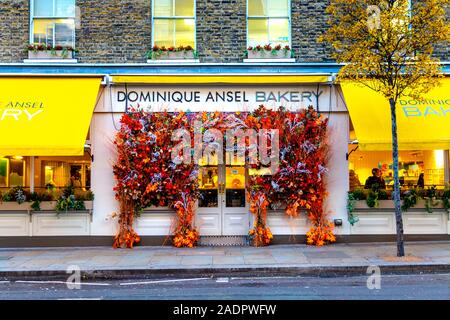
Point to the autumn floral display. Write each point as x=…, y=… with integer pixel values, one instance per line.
x=150, y=171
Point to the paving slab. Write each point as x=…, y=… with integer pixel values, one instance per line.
x=296, y=259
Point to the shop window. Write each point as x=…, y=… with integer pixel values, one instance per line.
x=417, y=168
x=12, y=172
x=268, y=22
x=173, y=23
x=53, y=22
x=60, y=172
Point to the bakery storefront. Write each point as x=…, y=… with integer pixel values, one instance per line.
x=45, y=162
x=424, y=141
x=59, y=160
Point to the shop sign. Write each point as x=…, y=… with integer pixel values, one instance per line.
x=219, y=98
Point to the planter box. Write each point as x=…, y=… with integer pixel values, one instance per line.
x=171, y=55
x=389, y=204
x=415, y=221
x=51, y=205
x=74, y=223
x=14, y=206
x=47, y=55
x=382, y=204
x=264, y=54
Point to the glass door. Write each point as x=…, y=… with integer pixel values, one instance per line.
x=235, y=210
x=208, y=217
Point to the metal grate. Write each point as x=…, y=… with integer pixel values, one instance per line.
x=223, y=241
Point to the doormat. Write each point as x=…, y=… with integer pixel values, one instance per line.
x=223, y=241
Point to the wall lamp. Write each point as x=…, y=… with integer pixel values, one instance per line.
x=347, y=155
x=88, y=149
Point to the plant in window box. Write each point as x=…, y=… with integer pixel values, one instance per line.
x=42, y=51
x=446, y=199
x=14, y=199
x=172, y=53
x=70, y=200
x=430, y=198
x=269, y=52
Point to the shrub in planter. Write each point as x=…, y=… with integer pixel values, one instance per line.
x=172, y=53
x=359, y=194
x=430, y=198
x=269, y=52
x=409, y=199
x=42, y=51
x=372, y=199
x=16, y=194
x=73, y=200
x=446, y=198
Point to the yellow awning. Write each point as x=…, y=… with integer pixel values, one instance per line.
x=46, y=116
x=222, y=79
x=422, y=125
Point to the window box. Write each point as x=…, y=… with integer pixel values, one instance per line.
x=269, y=54
x=14, y=206
x=42, y=53
x=178, y=54
x=50, y=55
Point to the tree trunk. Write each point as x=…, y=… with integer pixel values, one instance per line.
x=396, y=194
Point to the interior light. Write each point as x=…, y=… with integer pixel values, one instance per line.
x=439, y=158
x=18, y=158
x=189, y=22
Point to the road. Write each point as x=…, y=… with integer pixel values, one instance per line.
x=432, y=286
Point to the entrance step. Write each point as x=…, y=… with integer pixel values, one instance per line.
x=223, y=241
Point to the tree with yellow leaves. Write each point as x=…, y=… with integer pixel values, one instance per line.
x=387, y=45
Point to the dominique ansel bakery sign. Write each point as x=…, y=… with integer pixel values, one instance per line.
x=20, y=110
x=218, y=98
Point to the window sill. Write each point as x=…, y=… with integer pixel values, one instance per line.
x=173, y=61
x=51, y=61
x=262, y=60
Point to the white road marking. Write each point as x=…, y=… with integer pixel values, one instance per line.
x=64, y=282
x=70, y=299
x=1, y=282
x=162, y=281
x=223, y=280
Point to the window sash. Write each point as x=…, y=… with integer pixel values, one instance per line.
x=268, y=18
x=174, y=18
x=55, y=17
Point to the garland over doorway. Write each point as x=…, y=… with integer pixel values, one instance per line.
x=151, y=169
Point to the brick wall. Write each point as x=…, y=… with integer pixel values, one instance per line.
x=114, y=31
x=119, y=31
x=14, y=30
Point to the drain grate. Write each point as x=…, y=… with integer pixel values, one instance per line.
x=223, y=241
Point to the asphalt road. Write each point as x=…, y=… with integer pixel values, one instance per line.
x=432, y=286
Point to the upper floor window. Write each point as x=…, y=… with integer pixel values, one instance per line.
x=173, y=23
x=268, y=22
x=53, y=22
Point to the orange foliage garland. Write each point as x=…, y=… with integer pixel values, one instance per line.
x=185, y=235
x=260, y=234
x=147, y=175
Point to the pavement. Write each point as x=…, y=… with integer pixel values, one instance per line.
x=286, y=260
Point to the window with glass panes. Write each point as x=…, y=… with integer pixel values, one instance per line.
x=268, y=22
x=53, y=22
x=173, y=23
